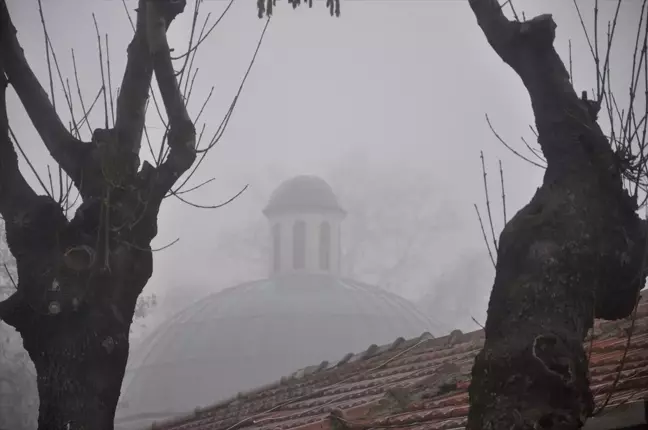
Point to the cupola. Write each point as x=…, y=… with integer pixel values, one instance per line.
x=305, y=219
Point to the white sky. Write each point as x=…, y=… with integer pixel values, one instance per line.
x=403, y=82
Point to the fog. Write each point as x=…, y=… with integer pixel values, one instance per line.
x=387, y=104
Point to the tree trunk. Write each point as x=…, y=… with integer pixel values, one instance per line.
x=575, y=252
x=74, y=306
x=77, y=333
x=80, y=362
x=550, y=276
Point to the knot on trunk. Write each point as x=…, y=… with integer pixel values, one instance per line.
x=79, y=258
x=553, y=355
x=54, y=307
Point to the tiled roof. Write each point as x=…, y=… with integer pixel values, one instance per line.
x=418, y=384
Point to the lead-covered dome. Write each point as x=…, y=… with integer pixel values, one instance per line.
x=303, y=194
x=255, y=333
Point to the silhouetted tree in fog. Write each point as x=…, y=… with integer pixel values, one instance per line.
x=578, y=250
x=79, y=279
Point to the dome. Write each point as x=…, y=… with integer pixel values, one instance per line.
x=303, y=194
x=255, y=333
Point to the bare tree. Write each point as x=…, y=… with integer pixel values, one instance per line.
x=79, y=279
x=578, y=250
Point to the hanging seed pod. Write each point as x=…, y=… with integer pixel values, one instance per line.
x=261, y=8
x=334, y=7
x=266, y=7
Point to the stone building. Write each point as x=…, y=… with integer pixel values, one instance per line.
x=248, y=335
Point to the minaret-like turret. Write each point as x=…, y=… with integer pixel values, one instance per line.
x=305, y=219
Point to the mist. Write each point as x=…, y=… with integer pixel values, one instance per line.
x=387, y=104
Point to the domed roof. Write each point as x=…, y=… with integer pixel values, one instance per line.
x=254, y=334
x=303, y=194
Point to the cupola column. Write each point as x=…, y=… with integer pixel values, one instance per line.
x=305, y=223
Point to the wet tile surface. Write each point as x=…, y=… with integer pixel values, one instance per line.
x=416, y=384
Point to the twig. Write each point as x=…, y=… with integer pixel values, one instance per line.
x=132, y=245
x=60, y=183
x=76, y=79
x=241, y=86
x=503, y=194
x=194, y=188
x=481, y=224
x=532, y=150
x=202, y=39
x=110, y=91
x=478, y=323
x=47, y=53
x=191, y=38
x=597, y=61
x=225, y=121
x=73, y=126
x=218, y=206
x=510, y=3
x=571, y=72
x=10, y=276
x=128, y=15
x=51, y=181
x=92, y=105
x=488, y=208
x=29, y=163
x=509, y=148
x=202, y=108
x=187, y=95
x=101, y=66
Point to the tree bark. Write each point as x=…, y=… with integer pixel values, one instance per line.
x=80, y=362
x=575, y=252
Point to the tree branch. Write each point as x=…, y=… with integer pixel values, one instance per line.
x=527, y=47
x=62, y=146
x=131, y=102
x=182, y=132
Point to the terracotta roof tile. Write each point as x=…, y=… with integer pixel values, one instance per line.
x=415, y=384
